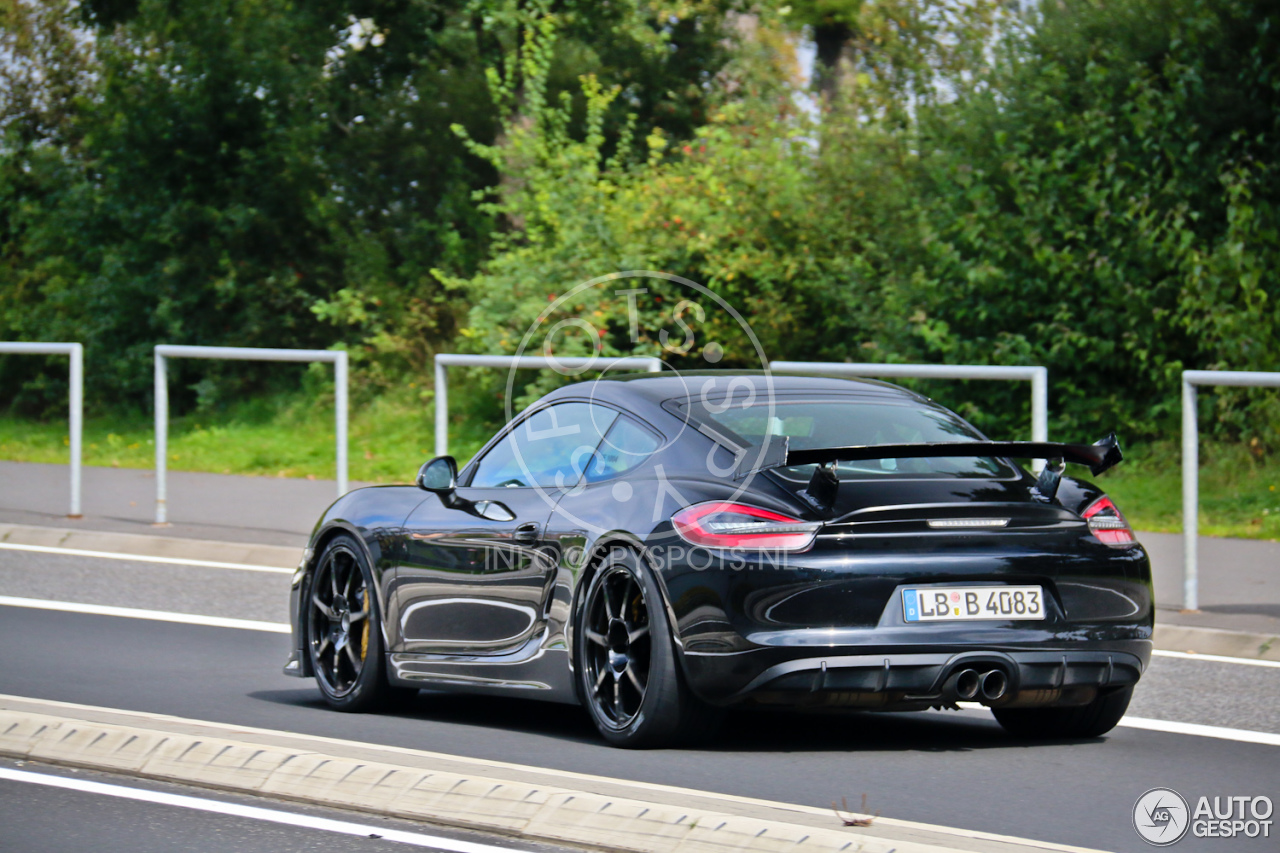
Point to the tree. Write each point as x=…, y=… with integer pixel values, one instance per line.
x=266, y=173
x=1107, y=206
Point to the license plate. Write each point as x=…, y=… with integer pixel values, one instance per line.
x=958, y=603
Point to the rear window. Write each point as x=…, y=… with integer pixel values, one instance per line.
x=842, y=423
x=625, y=446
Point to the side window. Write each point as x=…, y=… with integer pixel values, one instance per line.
x=550, y=448
x=625, y=446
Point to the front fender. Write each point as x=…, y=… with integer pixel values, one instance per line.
x=373, y=517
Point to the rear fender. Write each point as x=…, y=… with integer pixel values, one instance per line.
x=599, y=552
x=1076, y=495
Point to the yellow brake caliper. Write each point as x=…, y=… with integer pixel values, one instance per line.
x=364, y=635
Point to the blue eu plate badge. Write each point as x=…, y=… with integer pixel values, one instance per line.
x=911, y=602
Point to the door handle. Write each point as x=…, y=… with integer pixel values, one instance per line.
x=527, y=532
x=494, y=511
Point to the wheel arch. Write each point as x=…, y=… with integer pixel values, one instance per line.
x=320, y=542
x=598, y=552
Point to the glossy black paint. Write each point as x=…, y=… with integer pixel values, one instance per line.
x=482, y=605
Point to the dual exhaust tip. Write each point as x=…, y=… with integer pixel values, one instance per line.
x=969, y=684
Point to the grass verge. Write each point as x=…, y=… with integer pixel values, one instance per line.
x=289, y=436
x=1239, y=490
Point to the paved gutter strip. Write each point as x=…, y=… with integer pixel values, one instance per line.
x=1215, y=641
x=457, y=792
x=274, y=556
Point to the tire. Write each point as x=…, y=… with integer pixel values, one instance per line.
x=628, y=676
x=1093, y=720
x=343, y=631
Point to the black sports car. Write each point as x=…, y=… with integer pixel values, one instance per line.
x=660, y=547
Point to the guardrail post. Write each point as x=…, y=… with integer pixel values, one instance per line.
x=1040, y=404
x=340, y=418
x=442, y=408
x=77, y=424
x=163, y=352
x=162, y=437
x=1191, y=465
x=1190, y=498
x=75, y=395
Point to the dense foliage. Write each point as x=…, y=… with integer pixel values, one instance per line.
x=271, y=173
x=1089, y=185
x=1109, y=207
x=1094, y=191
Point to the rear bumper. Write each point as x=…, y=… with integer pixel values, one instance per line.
x=830, y=628
x=901, y=680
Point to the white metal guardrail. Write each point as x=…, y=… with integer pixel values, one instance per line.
x=1191, y=466
x=76, y=418
x=577, y=364
x=1037, y=376
x=167, y=351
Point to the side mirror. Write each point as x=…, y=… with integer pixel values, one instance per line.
x=439, y=475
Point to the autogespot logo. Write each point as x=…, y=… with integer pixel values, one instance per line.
x=1160, y=816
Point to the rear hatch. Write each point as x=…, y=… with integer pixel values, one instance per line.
x=907, y=503
x=893, y=535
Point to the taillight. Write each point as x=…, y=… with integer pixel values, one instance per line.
x=1107, y=522
x=719, y=524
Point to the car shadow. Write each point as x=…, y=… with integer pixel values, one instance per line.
x=742, y=731
x=862, y=731
x=522, y=716
x=297, y=697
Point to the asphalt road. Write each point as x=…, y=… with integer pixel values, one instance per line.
x=951, y=768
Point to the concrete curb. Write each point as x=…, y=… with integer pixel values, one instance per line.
x=275, y=556
x=1215, y=641
x=517, y=808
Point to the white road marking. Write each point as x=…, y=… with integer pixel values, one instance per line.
x=143, y=558
x=1216, y=658
x=252, y=812
x=157, y=615
x=1197, y=730
x=1194, y=729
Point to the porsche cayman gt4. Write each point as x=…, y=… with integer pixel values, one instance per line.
x=658, y=548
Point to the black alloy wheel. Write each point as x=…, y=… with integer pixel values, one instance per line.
x=628, y=675
x=344, y=639
x=618, y=646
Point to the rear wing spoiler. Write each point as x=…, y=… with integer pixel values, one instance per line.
x=1100, y=456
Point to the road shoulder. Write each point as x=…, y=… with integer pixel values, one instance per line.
x=275, y=556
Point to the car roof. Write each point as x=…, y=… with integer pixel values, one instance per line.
x=657, y=388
